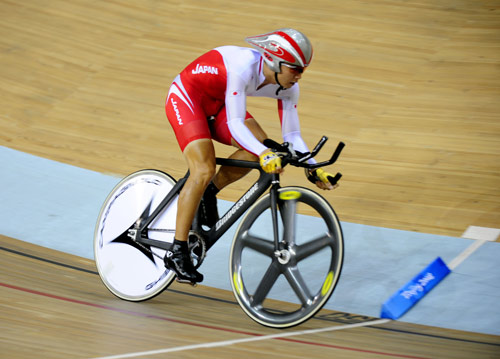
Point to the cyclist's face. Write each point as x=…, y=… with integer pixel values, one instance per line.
x=289, y=75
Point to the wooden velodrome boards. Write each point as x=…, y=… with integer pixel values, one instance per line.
x=53, y=305
x=412, y=87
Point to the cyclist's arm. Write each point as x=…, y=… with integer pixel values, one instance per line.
x=236, y=111
x=290, y=126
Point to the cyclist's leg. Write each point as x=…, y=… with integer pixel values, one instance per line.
x=226, y=175
x=189, y=122
x=220, y=132
x=200, y=156
x=193, y=134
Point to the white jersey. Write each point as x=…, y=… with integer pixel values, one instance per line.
x=244, y=68
x=225, y=76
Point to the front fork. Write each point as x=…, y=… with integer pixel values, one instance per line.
x=275, y=186
x=282, y=251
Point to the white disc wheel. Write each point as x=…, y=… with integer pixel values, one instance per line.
x=130, y=270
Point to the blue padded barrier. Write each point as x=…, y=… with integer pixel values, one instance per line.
x=406, y=297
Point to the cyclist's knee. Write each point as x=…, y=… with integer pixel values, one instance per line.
x=200, y=156
x=203, y=172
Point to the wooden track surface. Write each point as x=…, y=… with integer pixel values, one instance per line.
x=53, y=305
x=412, y=87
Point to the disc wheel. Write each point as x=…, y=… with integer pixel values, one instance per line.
x=130, y=270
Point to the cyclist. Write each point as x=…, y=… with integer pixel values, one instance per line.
x=207, y=100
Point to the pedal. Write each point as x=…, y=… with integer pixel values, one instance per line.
x=185, y=281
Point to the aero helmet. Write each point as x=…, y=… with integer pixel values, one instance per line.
x=283, y=46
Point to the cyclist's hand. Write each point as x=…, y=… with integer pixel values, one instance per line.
x=270, y=162
x=320, y=178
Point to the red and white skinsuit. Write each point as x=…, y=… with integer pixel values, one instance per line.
x=217, y=84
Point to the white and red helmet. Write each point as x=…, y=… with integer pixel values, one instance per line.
x=287, y=46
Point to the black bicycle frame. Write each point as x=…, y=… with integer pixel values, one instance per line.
x=138, y=232
x=211, y=236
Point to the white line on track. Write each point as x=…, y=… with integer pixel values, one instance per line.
x=244, y=340
x=481, y=235
x=466, y=253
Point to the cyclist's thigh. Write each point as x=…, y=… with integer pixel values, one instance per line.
x=186, y=117
x=220, y=130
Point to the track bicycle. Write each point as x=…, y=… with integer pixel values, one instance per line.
x=287, y=247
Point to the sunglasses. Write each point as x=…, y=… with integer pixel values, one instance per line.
x=295, y=69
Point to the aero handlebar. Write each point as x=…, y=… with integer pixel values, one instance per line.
x=298, y=159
